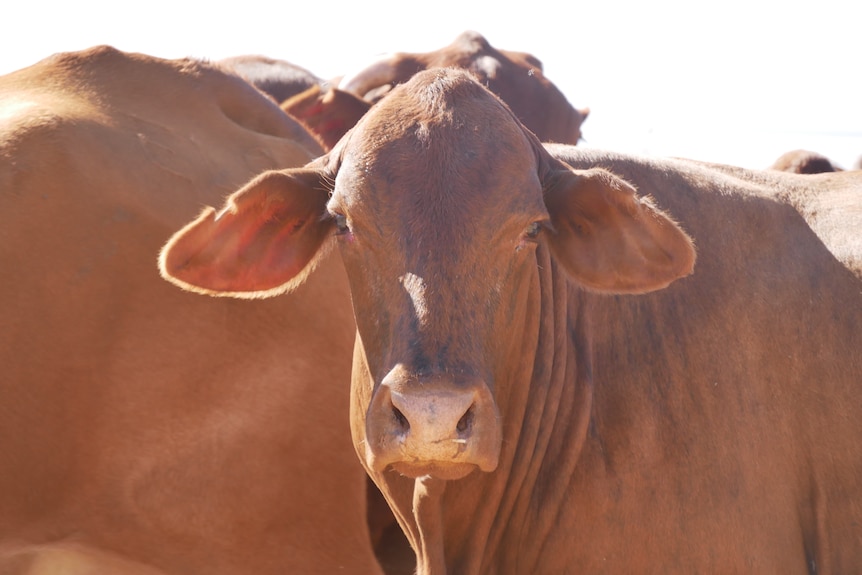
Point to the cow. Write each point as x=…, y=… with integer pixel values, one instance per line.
x=279, y=79
x=804, y=162
x=543, y=381
x=516, y=77
x=145, y=430
x=328, y=109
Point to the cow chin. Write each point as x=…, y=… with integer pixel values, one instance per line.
x=432, y=425
x=434, y=460
x=436, y=469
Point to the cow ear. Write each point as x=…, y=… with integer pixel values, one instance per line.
x=609, y=239
x=327, y=115
x=264, y=241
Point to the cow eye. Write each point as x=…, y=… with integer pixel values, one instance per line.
x=532, y=231
x=341, y=226
x=529, y=236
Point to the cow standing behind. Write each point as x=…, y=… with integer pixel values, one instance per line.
x=516, y=77
x=521, y=401
x=804, y=162
x=144, y=430
x=279, y=79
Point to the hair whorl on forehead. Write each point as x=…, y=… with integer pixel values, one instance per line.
x=444, y=89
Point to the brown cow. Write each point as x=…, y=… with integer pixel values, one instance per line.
x=523, y=404
x=144, y=430
x=329, y=112
x=804, y=162
x=517, y=77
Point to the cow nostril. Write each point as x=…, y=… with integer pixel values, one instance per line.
x=466, y=421
x=402, y=422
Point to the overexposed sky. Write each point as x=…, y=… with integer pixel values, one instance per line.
x=738, y=82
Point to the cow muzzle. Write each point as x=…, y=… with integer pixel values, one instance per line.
x=440, y=426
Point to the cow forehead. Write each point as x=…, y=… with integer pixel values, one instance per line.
x=439, y=142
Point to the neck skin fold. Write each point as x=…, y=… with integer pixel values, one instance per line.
x=486, y=522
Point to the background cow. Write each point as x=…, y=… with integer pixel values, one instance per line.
x=144, y=430
x=516, y=77
x=524, y=405
x=804, y=162
x=328, y=109
x=279, y=79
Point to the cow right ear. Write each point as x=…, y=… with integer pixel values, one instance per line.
x=264, y=242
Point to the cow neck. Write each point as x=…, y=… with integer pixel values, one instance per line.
x=497, y=522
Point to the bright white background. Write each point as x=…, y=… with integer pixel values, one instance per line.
x=737, y=82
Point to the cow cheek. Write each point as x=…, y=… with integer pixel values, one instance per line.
x=372, y=346
x=361, y=391
x=515, y=319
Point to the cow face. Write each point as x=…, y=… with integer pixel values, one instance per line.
x=436, y=224
x=438, y=201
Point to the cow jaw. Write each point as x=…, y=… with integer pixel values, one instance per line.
x=438, y=426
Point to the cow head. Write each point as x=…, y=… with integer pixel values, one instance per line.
x=438, y=200
x=517, y=77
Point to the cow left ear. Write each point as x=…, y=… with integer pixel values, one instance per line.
x=611, y=240
x=264, y=242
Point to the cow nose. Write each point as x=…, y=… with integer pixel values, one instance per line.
x=425, y=424
x=434, y=415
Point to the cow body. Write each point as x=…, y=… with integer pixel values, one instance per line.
x=726, y=408
x=143, y=429
x=535, y=388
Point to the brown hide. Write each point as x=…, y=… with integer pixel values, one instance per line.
x=516, y=77
x=523, y=403
x=145, y=430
